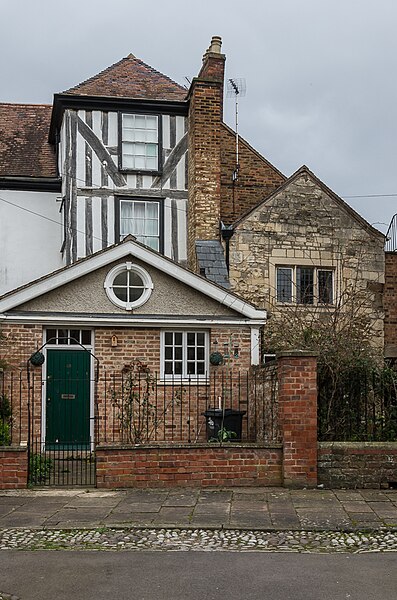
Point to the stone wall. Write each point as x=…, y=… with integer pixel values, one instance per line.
x=357, y=464
x=305, y=224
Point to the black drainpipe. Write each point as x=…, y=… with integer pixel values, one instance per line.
x=227, y=233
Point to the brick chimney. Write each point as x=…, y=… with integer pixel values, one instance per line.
x=205, y=118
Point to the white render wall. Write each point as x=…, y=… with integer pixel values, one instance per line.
x=29, y=244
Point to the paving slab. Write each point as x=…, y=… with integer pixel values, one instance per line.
x=258, y=508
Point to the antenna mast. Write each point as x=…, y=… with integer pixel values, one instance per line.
x=236, y=88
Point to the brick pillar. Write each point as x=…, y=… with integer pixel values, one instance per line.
x=204, y=168
x=297, y=397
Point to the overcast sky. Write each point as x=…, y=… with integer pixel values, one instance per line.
x=320, y=74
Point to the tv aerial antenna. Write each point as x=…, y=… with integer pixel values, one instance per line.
x=236, y=87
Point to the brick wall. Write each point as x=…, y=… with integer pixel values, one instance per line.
x=13, y=468
x=297, y=400
x=257, y=177
x=188, y=466
x=204, y=160
x=390, y=304
x=357, y=464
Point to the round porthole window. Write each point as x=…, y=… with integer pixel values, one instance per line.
x=128, y=286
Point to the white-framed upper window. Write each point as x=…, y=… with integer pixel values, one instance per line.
x=142, y=219
x=304, y=285
x=139, y=142
x=128, y=285
x=184, y=354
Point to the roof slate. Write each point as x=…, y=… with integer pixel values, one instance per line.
x=211, y=262
x=131, y=78
x=24, y=147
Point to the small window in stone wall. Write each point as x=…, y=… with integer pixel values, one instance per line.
x=304, y=285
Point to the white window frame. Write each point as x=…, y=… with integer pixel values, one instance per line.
x=135, y=142
x=129, y=267
x=294, y=288
x=184, y=376
x=144, y=239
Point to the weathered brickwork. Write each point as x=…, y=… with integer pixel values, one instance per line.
x=204, y=160
x=390, y=304
x=357, y=464
x=188, y=466
x=21, y=341
x=304, y=224
x=257, y=178
x=297, y=399
x=13, y=468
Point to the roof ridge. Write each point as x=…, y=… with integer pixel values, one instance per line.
x=128, y=58
x=42, y=104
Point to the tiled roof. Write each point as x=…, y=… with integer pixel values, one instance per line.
x=24, y=147
x=130, y=78
x=211, y=262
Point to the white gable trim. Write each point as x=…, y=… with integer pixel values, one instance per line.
x=59, y=278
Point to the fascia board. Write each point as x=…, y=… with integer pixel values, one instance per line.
x=155, y=260
x=109, y=321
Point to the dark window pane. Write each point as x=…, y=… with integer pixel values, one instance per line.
x=191, y=368
x=325, y=295
x=178, y=368
x=168, y=338
x=200, y=339
x=200, y=353
x=121, y=278
x=120, y=293
x=63, y=335
x=86, y=337
x=178, y=339
x=284, y=284
x=304, y=285
x=178, y=353
x=200, y=368
x=51, y=336
x=168, y=368
x=191, y=354
x=74, y=336
x=191, y=339
x=135, y=279
x=168, y=352
x=135, y=294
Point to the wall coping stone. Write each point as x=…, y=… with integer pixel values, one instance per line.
x=296, y=353
x=13, y=449
x=358, y=445
x=214, y=446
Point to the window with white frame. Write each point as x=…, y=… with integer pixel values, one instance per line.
x=184, y=354
x=305, y=285
x=142, y=219
x=139, y=142
x=128, y=285
x=68, y=337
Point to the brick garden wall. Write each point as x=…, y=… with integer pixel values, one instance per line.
x=13, y=468
x=357, y=464
x=179, y=465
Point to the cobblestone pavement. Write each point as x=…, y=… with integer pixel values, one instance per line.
x=239, y=519
x=198, y=540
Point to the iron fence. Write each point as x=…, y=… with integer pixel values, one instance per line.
x=359, y=406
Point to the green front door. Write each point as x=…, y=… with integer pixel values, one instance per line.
x=68, y=399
